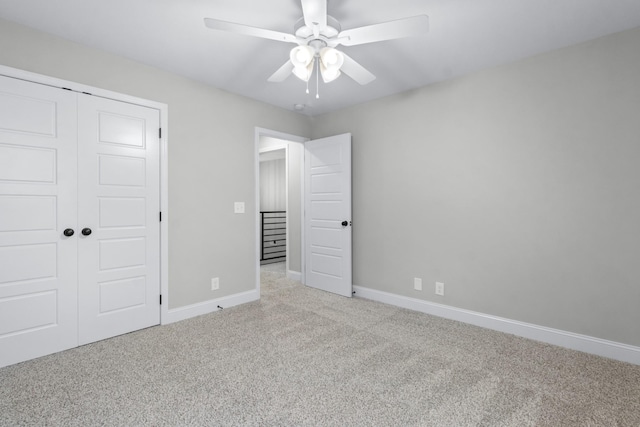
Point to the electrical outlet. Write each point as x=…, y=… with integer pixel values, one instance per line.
x=417, y=283
x=215, y=284
x=238, y=207
x=439, y=288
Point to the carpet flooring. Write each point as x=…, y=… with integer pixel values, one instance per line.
x=302, y=357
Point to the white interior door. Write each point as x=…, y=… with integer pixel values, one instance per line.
x=119, y=201
x=328, y=214
x=38, y=173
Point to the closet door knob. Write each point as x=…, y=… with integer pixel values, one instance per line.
x=345, y=223
x=68, y=232
x=86, y=231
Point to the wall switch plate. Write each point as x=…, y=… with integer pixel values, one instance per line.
x=439, y=288
x=215, y=283
x=417, y=283
x=238, y=207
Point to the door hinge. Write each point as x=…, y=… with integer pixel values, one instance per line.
x=160, y=299
x=160, y=216
x=160, y=133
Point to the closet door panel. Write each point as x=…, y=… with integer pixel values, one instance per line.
x=119, y=282
x=38, y=181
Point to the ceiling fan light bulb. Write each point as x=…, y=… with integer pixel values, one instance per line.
x=331, y=58
x=301, y=56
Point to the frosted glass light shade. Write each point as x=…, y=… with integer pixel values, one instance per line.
x=329, y=75
x=304, y=73
x=330, y=62
x=331, y=58
x=302, y=58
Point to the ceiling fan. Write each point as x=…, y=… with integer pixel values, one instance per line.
x=317, y=35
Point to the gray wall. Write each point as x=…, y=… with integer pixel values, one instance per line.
x=518, y=187
x=211, y=156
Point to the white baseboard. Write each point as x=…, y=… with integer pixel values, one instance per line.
x=294, y=275
x=188, y=311
x=585, y=343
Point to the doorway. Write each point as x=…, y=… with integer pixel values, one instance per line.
x=282, y=151
x=318, y=181
x=273, y=207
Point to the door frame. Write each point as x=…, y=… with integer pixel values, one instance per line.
x=260, y=132
x=164, y=163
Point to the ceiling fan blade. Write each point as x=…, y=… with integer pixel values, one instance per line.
x=315, y=13
x=231, y=27
x=356, y=71
x=407, y=27
x=282, y=73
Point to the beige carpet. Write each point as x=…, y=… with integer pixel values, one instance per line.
x=304, y=357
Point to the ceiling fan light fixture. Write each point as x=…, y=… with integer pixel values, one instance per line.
x=329, y=74
x=331, y=61
x=331, y=58
x=302, y=58
x=303, y=73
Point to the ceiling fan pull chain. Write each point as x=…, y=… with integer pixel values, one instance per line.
x=307, y=86
x=318, y=79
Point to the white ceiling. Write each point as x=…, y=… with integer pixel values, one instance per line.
x=464, y=36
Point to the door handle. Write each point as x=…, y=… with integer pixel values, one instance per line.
x=86, y=231
x=345, y=223
x=68, y=232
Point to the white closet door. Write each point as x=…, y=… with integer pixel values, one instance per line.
x=118, y=263
x=38, y=170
